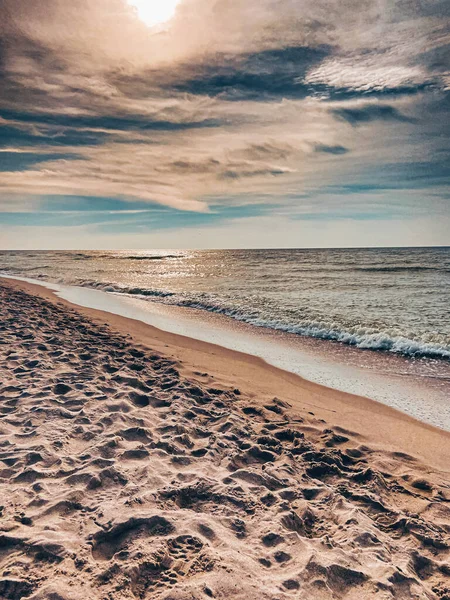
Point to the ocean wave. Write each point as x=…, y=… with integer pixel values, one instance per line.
x=314, y=269
x=388, y=338
x=339, y=270
x=129, y=291
x=360, y=337
x=363, y=338
x=96, y=256
x=81, y=256
x=31, y=269
x=402, y=269
x=154, y=257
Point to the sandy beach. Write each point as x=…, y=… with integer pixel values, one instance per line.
x=136, y=463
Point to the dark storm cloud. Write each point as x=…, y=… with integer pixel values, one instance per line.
x=436, y=59
x=372, y=112
x=136, y=123
x=18, y=50
x=245, y=173
x=273, y=75
x=228, y=168
x=331, y=149
x=261, y=76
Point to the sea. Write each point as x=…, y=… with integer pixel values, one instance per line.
x=381, y=303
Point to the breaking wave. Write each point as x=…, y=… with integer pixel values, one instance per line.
x=403, y=269
x=363, y=338
x=130, y=291
x=366, y=339
x=155, y=257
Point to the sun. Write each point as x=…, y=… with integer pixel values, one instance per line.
x=154, y=12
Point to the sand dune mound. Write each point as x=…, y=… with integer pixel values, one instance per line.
x=121, y=478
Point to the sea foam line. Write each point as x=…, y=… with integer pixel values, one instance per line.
x=363, y=338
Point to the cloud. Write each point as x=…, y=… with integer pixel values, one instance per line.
x=136, y=123
x=241, y=173
x=372, y=112
x=337, y=149
x=270, y=149
x=26, y=134
x=261, y=76
x=235, y=103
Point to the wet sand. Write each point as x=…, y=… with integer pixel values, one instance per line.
x=136, y=463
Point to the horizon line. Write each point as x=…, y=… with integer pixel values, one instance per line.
x=221, y=249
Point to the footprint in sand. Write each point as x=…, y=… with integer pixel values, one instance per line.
x=176, y=560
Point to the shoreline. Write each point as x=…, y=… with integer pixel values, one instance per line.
x=135, y=463
x=416, y=388
x=348, y=411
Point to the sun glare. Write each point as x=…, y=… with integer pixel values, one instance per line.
x=154, y=12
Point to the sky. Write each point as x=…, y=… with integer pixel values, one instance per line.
x=233, y=124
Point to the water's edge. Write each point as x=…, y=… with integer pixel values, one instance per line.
x=361, y=337
x=314, y=360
